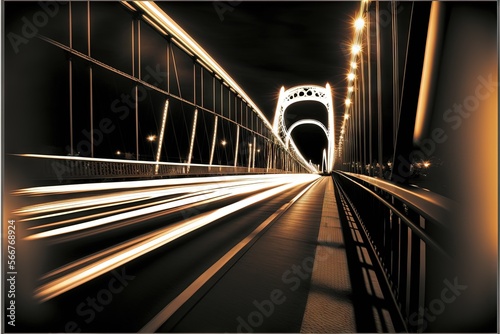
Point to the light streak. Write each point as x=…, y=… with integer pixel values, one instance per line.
x=99, y=186
x=123, y=254
x=210, y=191
x=141, y=212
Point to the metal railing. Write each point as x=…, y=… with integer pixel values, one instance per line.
x=70, y=168
x=409, y=235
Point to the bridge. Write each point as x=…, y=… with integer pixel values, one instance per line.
x=144, y=190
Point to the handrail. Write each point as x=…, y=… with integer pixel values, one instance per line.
x=416, y=229
x=431, y=205
x=75, y=167
x=408, y=231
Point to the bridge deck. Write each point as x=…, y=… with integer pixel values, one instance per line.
x=310, y=272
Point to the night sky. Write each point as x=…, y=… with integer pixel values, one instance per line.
x=266, y=45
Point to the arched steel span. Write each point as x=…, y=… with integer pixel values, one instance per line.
x=302, y=122
x=300, y=94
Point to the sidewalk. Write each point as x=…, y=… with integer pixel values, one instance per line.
x=310, y=272
x=329, y=306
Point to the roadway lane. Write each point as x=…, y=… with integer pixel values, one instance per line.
x=114, y=275
x=266, y=290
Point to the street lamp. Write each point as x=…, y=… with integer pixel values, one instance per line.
x=151, y=139
x=359, y=23
x=224, y=143
x=356, y=48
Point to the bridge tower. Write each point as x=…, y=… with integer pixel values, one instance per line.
x=300, y=94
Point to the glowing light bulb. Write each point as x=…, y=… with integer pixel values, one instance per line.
x=359, y=23
x=356, y=48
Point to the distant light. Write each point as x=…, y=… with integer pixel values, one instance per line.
x=223, y=143
x=346, y=116
x=427, y=164
x=354, y=65
x=151, y=138
x=356, y=48
x=350, y=89
x=118, y=152
x=347, y=102
x=359, y=23
x=351, y=76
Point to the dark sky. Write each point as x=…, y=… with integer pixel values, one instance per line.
x=266, y=45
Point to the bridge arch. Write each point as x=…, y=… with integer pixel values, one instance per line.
x=300, y=94
x=302, y=122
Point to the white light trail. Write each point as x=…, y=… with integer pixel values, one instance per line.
x=230, y=191
x=155, y=240
x=177, y=197
x=99, y=186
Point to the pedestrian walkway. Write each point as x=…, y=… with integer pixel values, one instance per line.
x=329, y=307
x=310, y=272
x=345, y=294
